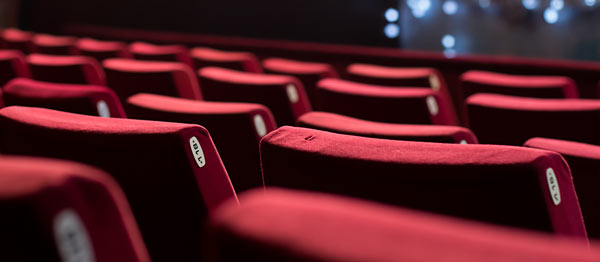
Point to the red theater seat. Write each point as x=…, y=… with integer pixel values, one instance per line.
x=584, y=161
x=12, y=65
x=66, y=69
x=283, y=95
x=353, y=126
x=241, y=61
x=63, y=211
x=384, y=104
x=473, y=82
x=510, y=120
x=235, y=127
x=53, y=45
x=81, y=99
x=102, y=49
x=284, y=225
x=167, y=53
x=514, y=186
x=16, y=39
x=129, y=77
x=309, y=73
x=171, y=173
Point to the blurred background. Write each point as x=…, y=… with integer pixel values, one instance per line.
x=529, y=28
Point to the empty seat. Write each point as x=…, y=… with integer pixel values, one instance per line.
x=64, y=211
x=309, y=73
x=101, y=50
x=81, y=99
x=285, y=225
x=129, y=77
x=171, y=173
x=473, y=82
x=66, y=69
x=513, y=186
x=53, y=45
x=167, y=53
x=12, y=65
x=384, y=104
x=510, y=120
x=353, y=126
x=16, y=39
x=236, y=129
x=584, y=161
x=241, y=61
x=283, y=95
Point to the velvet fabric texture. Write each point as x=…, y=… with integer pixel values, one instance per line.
x=514, y=186
x=510, y=120
x=166, y=53
x=16, y=39
x=309, y=73
x=81, y=99
x=287, y=225
x=171, y=173
x=241, y=61
x=353, y=126
x=584, y=161
x=64, y=211
x=101, y=50
x=12, y=65
x=66, y=69
x=129, y=77
x=283, y=95
x=236, y=129
x=53, y=45
x=400, y=105
x=473, y=82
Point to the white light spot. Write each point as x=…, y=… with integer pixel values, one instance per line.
x=485, y=3
x=589, y=2
x=432, y=105
x=450, y=53
x=292, y=93
x=463, y=142
x=450, y=7
x=103, y=110
x=557, y=4
x=259, y=124
x=392, y=15
x=419, y=7
x=531, y=4
x=551, y=15
x=391, y=30
x=448, y=41
x=434, y=82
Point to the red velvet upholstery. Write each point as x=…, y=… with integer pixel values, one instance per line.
x=12, y=65
x=16, y=39
x=241, y=61
x=309, y=73
x=170, y=185
x=283, y=95
x=584, y=161
x=384, y=104
x=81, y=99
x=166, y=53
x=353, y=126
x=510, y=120
x=236, y=129
x=66, y=69
x=285, y=225
x=102, y=49
x=473, y=82
x=64, y=211
x=53, y=45
x=498, y=184
x=129, y=77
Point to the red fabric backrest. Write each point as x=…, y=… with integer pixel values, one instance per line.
x=236, y=129
x=171, y=173
x=81, y=99
x=12, y=65
x=66, y=69
x=101, y=50
x=353, y=126
x=64, y=211
x=241, y=61
x=283, y=95
x=166, y=53
x=53, y=45
x=384, y=104
x=509, y=120
x=16, y=39
x=286, y=225
x=584, y=161
x=468, y=181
